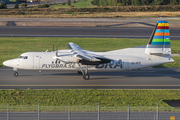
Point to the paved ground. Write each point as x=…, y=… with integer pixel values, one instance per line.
x=149, y=78
x=90, y=22
x=84, y=27
x=102, y=32
x=112, y=115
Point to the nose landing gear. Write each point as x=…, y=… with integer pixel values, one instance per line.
x=15, y=73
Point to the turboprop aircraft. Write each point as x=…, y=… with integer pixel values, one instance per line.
x=157, y=51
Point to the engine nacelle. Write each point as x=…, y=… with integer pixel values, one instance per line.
x=66, y=56
x=69, y=59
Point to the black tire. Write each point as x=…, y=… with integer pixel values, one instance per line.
x=15, y=74
x=86, y=76
x=79, y=72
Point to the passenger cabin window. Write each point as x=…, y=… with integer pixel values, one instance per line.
x=23, y=57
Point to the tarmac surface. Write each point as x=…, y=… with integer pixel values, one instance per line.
x=147, y=78
x=85, y=27
x=90, y=22
x=102, y=32
x=89, y=115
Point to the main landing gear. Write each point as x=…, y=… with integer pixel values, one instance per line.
x=84, y=73
x=15, y=73
x=86, y=76
x=79, y=72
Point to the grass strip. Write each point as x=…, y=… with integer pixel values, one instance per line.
x=12, y=47
x=83, y=108
x=79, y=4
x=58, y=13
x=83, y=99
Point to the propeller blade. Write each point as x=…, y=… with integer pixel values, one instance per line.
x=53, y=47
x=56, y=53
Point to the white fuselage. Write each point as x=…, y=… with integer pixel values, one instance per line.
x=125, y=59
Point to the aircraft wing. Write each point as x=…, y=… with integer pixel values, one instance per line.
x=87, y=57
x=74, y=47
x=79, y=52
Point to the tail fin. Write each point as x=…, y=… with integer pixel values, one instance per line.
x=159, y=42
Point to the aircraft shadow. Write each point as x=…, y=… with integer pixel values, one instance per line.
x=151, y=72
x=173, y=103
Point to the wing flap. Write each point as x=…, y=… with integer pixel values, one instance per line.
x=86, y=57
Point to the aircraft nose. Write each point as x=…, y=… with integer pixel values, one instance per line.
x=5, y=63
x=9, y=63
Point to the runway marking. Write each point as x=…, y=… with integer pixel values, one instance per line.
x=92, y=85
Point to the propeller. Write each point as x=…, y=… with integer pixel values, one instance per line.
x=56, y=53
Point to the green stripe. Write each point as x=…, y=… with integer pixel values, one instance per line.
x=166, y=40
x=161, y=40
x=158, y=40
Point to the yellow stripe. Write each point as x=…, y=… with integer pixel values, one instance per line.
x=163, y=24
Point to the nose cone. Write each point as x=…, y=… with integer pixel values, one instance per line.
x=9, y=63
x=5, y=63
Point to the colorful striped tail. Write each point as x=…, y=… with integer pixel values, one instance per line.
x=159, y=42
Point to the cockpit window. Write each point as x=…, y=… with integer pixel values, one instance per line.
x=23, y=57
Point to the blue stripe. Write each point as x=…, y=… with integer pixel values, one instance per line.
x=162, y=21
x=162, y=31
x=160, y=43
x=161, y=37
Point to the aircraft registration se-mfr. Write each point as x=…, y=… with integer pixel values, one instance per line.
x=157, y=51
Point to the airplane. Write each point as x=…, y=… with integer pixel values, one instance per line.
x=157, y=51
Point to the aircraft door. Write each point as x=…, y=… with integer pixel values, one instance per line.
x=125, y=64
x=36, y=62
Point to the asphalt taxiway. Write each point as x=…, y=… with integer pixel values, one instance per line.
x=147, y=78
x=102, y=32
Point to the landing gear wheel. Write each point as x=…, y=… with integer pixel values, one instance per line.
x=15, y=74
x=79, y=72
x=84, y=73
x=86, y=76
